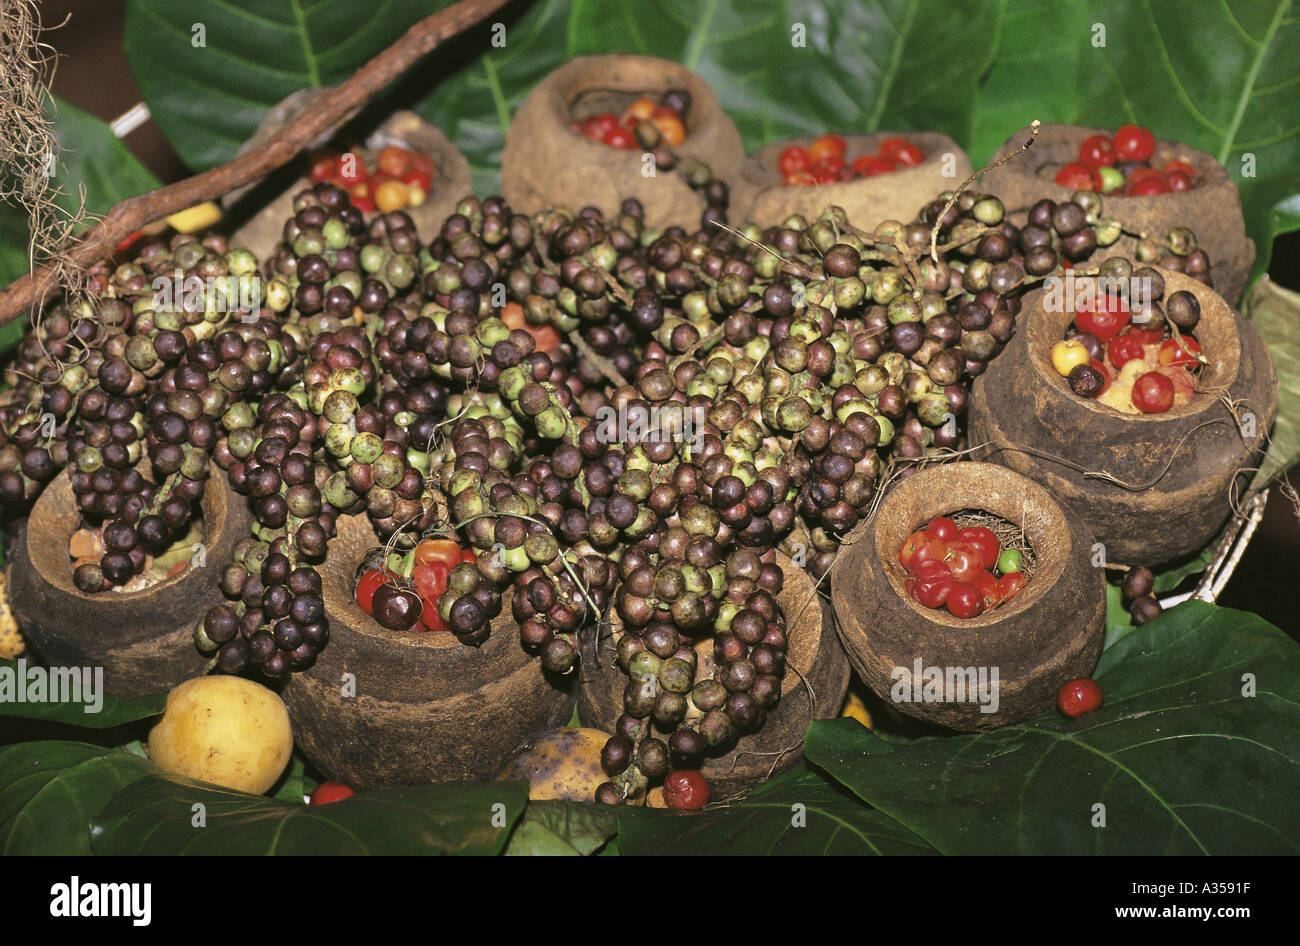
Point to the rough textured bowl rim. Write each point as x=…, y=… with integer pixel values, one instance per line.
x=1050, y=562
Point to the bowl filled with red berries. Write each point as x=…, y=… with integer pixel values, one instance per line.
x=601, y=129
x=1150, y=185
x=881, y=176
x=970, y=597
x=1140, y=398
x=399, y=697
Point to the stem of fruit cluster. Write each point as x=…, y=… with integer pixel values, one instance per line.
x=1034, y=128
x=332, y=108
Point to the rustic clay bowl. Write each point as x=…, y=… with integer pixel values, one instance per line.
x=144, y=640
x=427, y=708
x=1050, y=633
x=545, y=164
x=1189, y=455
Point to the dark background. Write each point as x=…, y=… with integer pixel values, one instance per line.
x=93, y=75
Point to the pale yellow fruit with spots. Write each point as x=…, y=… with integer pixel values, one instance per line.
x=561, y=764
x=225, y=730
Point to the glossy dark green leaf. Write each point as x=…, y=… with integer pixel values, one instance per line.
x=562, y=828
x=92, y=161
x=474, y=104
x=806, y=67
x=51, y=790
x=211, y=69
x=157, y=815
x=1184, y=759
x=799, y=812
x=112, y=710
x=93, y=158
x=1275, y=311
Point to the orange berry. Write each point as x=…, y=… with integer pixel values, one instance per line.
x=391, y=195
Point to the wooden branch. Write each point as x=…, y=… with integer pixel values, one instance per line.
x=134, y=213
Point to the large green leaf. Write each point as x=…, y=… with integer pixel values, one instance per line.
x=1275, y=311
x=562, y=828
x=858, y=67
x=209, y=98
x=799, y=812
x=113, y=711
x=91, y=156
x=92, y=161
x=50, y=791
x=1220, y=77
x=157, y=815
x=1182, y=760
x=474, y=104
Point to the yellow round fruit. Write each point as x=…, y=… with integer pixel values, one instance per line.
x=225, y=730
x=1067, y=355
x=561, y=764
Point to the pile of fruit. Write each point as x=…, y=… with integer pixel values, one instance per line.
x=1133, y=362
x=1121, y=166
x=628, y=433
x=965, y=570
x=644, y=124
x=401, y=177
x=825, y=161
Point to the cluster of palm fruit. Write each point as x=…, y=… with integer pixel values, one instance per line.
x=624, y=424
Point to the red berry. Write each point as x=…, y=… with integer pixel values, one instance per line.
x=964, y=560
x=323, y=168
x=1134, y=143
x=1148, y=187
x=793, y=160
x=869, y=165
x=1009, y=586
x=367, y=585
x=1153, y=393
x=1123, y=349
x=1105, y=375
x=965, y=600
x=686, y=790
x=930, y=583
x=984, y=541
x=1173, y=354
x=619, y=138
x=1096, y=151
x=906, y=155
x=598, y=126
x=1078, y=697
x=1078, y=177
x=920, y=547
x=1177, y=182
x=889, y=146
x=1105, y=322
x=826, y=146
x=942, y=528
x=327, y=792
x=988, y=586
